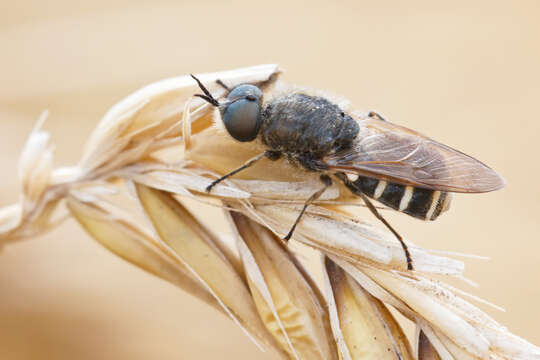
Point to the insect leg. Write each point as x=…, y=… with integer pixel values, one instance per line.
x=373, y=114
x=222, y=84
x=375, y=212
x=327, y=182
x=268, y=154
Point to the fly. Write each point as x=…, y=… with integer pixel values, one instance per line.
x=372, y=157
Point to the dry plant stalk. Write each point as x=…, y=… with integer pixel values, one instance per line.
x=162, y=144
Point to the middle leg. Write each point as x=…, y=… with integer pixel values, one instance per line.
x=327, y=182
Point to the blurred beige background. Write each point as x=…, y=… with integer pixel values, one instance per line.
x=466, y=74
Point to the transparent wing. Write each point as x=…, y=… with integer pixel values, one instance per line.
x=387, y=151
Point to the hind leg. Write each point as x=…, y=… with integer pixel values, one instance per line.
x=375, y=212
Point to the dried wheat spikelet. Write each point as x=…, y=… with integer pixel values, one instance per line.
x=162, y=145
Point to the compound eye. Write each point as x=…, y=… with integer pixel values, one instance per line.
x=241, y=118
x=243, y=91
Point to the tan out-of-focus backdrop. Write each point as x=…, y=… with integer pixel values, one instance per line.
x=466, y=73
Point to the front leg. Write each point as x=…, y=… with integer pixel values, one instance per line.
x=269, y=154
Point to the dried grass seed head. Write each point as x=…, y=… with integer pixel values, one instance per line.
x=148, y=143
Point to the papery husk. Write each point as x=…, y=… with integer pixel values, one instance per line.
x=288, y=304
x=463, y=324
x=207, y=259
x=10, y=218
x=457, y=329
x=363, y=326
x=125, y=239
x=155, y=111
x=356, y=241
x=18, y=224
x=431, y=309
x=131, y=130
x=35, y=208
x=437, y=345
x=179, y=182
x=35, y=164
x=425, y=350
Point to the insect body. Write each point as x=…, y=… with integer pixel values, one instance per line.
x=306, y=128
x=424, y=204
x=374, y=158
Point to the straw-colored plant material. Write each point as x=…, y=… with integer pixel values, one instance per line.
x=125, y=239
x=364, y=326
x=285, y=298
x=426, y=351
x=162, y=145
x=198, y=249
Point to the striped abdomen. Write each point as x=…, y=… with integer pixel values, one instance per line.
x=421, y=203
